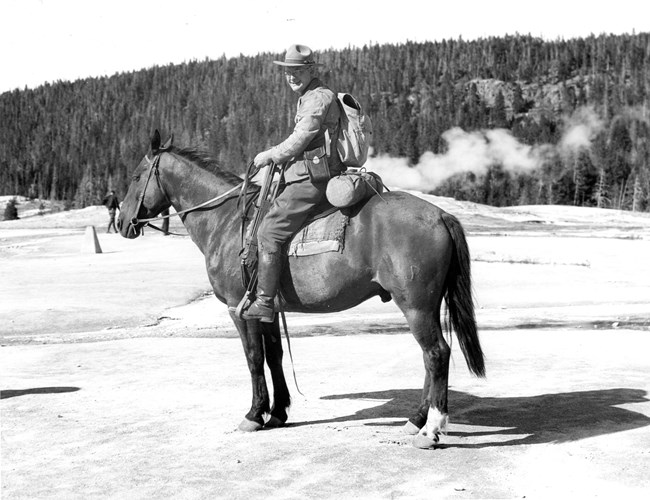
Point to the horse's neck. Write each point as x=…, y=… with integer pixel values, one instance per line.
x=189, y=186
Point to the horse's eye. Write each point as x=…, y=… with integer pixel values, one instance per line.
x=136, y=178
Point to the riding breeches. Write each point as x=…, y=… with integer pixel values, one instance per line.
x=289, y=212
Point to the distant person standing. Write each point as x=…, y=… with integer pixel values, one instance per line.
x=112, y=203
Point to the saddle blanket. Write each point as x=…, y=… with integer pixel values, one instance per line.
x=326, y=234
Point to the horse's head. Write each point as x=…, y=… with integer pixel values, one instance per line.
x=146, y=197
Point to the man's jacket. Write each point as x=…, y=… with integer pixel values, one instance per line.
x=317, y=111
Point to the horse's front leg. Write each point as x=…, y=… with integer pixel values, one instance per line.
x=251, y=337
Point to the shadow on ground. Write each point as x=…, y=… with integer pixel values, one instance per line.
x=545, y=418
x=12, y=393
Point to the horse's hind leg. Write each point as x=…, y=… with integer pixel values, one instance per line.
x=431, y=417
x=281, y=397
x=417, y=421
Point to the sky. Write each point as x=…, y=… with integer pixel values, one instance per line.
x=51, y=40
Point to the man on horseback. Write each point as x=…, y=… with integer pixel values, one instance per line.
x=310, y=163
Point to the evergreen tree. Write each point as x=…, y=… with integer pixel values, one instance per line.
x=11, y=212
x=498, y=118
x=518, y=103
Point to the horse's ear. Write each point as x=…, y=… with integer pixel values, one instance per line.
x=169, y=142
x=155, y=142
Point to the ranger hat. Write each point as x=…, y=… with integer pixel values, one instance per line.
x=298, y=55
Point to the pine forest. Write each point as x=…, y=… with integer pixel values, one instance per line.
x=579, y=109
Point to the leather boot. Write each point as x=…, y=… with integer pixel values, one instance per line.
x=268, y=277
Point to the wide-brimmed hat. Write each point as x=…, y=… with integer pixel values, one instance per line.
x=298, y=55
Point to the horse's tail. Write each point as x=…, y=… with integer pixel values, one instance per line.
x=458, y=296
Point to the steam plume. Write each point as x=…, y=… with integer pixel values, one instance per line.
x=477, y=151
x=580, y=130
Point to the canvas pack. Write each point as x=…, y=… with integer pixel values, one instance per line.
x=355, y=132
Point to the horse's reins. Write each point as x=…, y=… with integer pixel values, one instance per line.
x=153, y=166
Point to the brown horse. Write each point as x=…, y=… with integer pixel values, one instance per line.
x=397, y=246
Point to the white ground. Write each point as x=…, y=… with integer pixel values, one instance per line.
x=122, y=377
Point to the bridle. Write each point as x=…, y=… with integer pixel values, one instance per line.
x=153, y=169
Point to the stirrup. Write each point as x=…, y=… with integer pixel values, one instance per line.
x=260, y=315
x=244, y=304
x=261, y=307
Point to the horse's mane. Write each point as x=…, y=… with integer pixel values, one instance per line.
x=205, y=161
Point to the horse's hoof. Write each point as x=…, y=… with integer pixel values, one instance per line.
x=274, y=423
x=425, y=443
x=410, y=428
x=249, y=426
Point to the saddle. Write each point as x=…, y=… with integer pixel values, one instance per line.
x=322, y=232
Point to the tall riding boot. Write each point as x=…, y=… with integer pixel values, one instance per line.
x=268, y=277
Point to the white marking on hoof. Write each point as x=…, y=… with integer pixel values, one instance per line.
x=410, y=428
x=436, y=424
x=249, y=426
x=424, y=443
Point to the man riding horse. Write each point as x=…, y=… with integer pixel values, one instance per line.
x=399, y=247
x=310, y=163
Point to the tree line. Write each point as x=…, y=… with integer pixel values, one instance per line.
x=74, y=141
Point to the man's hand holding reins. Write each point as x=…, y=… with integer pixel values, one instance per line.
x=263, y=159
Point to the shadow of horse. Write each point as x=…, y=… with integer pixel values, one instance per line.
x=546, y=418
x=12, y=393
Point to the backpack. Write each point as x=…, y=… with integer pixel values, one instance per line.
x=355, y=132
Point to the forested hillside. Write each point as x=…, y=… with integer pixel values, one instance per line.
x=581, y=106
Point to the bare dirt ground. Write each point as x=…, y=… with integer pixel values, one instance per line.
x=122, y=377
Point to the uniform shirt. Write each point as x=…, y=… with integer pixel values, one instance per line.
x=317, y=111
